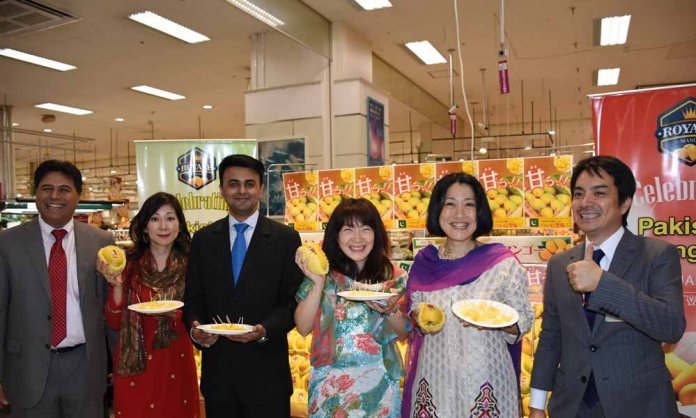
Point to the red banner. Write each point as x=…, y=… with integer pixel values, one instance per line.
x=654, y=132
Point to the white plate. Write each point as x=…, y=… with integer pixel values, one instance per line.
x=156, y=307
x=210, y=328
x=361, y=297
x=481, y=304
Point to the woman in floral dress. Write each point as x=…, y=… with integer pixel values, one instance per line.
x=356, y=366
x=463, y=370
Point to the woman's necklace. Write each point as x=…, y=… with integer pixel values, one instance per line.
x=446, y=255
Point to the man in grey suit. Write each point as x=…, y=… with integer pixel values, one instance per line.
x=52, y=341
x=608, y=307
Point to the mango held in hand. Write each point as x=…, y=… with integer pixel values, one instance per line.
x=318, y=263
x=114, y=256
x=430, y=317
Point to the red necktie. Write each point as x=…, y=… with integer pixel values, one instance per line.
x=58, y=275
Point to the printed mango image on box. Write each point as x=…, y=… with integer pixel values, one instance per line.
x=445, y=168
x=301, y=207
x=332, y=187
x=547, y=191
x=413, y=184
x=502, y=181
x=376, y=185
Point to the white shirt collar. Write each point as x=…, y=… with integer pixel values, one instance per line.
x=609, y=245
x=46, y=229
x=251, y=221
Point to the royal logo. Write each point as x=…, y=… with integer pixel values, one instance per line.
x=676, y=131
x=196, y=168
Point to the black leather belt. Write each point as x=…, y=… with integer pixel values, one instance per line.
x=63, y=350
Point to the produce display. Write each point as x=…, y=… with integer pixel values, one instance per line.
x=529, y=344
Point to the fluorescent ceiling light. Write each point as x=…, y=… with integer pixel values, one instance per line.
x=614, y=30
x=426, y=52
x=14, y=124
x=48, y=130
x=608, y=76
x=165, y=25
x=157, y=92
x=207, y=107
x=483, y=150
x=552, y=132
x=34, y=59
x=119, y=119
x=257, y=12
x=373, y=4
x=64, y=109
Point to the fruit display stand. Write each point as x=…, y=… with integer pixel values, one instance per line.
x=298, y=352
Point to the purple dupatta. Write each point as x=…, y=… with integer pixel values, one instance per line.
x=429, y=273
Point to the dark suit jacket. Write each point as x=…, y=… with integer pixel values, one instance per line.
x=639, y=305
x=265, y=294
x=25, y=308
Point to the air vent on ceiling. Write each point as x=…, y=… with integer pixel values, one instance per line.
x=26, y=16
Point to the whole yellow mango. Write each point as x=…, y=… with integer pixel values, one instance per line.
x=114, y=256
x=431, y=317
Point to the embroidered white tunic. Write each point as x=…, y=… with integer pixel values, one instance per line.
x=464, y=371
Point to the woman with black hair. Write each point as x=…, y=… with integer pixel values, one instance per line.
x=154, y=369
x=355, y=365
x=463, y=370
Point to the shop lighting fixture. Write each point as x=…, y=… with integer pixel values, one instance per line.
x=426, y=52
x=34, y=59
x=608, y=76
x=119, y=119
x=157, y=92
x=169, y=27
x=48, y=130
x=552, y=132
x=14, y=124
x=614, y=30
x=373, y=4
x=257, y=12
x=483, y=150
x=64, y=109
x=207, y=107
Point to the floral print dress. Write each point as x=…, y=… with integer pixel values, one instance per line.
x=356, y=366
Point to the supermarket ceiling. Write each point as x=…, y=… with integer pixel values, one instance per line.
x=551, y=54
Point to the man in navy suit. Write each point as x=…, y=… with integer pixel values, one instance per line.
x=243, y=266
x=608, y=307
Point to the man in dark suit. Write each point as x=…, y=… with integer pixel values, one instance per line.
x=52, y=343
x=608, y=307
x=246, y=375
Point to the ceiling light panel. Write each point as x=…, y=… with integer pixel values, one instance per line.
x=35, y=59
x=608, y=76
x=614, y=30
x=373, y=4
x=158, y=92
x=169, y=27
x=426, y=52
x=257, y=12
x=64, y=109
